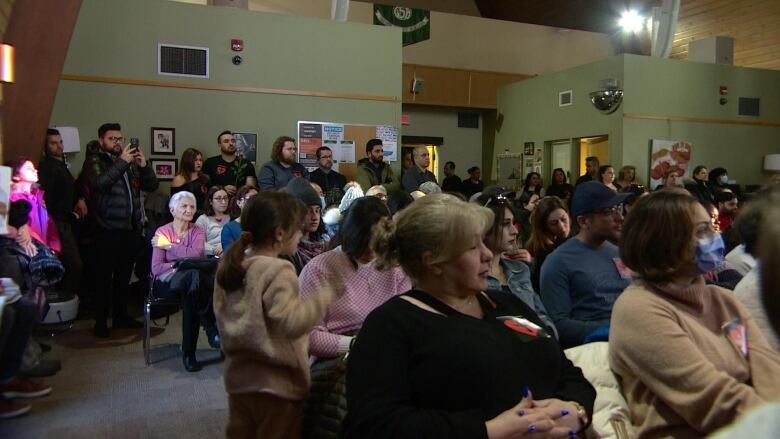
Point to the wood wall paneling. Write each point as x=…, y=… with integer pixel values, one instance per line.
x=455, y=87
x=752, y=23
x=40, y=30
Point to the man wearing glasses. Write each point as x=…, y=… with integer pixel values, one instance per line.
x=112, y=178
x=582, y=278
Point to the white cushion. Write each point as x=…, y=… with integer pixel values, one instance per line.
x=611, y=417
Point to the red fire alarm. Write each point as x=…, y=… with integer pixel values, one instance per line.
x=724, y=90
x=237, y=45
x=404, y=119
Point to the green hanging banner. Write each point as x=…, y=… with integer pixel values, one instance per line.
x=415, y=23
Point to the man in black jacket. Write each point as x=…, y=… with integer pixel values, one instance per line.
x=63, y=206
x=113, y=177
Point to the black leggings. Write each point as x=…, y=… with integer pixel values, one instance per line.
x=194, y=288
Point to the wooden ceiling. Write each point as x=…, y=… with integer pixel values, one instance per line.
x=589, y=15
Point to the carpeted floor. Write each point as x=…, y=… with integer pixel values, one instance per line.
x=105, y=390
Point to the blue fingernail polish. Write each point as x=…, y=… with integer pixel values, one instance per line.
x=572, y=433
x=564, y=413
x=521, y=413
x=525, y=392
x=532, y=429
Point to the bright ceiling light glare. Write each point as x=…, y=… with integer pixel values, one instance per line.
x=631, y=22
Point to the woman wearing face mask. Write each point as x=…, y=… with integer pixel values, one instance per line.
x=689, y=357
x=719, y=180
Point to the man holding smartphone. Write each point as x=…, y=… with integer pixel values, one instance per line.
x=112, y=178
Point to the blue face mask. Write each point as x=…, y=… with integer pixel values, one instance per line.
x=724, y=179
x=322, y=201
x=710, y=253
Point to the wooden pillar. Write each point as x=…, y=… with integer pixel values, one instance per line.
x=40, y=30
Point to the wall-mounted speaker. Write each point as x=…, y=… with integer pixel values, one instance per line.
x=417, y=85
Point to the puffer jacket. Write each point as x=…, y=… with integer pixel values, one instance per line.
x=103, y=184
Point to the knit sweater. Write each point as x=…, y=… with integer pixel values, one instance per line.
x=213, y=230
x=264, y=329
x=681, y=375
x=364, y=288
x=188, y=246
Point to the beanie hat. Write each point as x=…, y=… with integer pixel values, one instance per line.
x=353, y=193
x=301, y=189
x=19, y=213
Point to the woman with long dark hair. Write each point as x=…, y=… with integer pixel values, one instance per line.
x=700, y=187
x=559, y=187
x=191, y=178
x=550, y=227
x=533, y=184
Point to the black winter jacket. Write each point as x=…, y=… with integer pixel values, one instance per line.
x=103, y=184
x=59, y=186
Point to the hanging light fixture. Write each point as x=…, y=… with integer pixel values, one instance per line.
x=6, y=63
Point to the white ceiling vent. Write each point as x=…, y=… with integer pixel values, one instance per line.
x=178, y=60
x=565, y=98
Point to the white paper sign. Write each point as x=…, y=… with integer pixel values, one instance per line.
x=5, y=195
x=70, y=139
x=388, y=134
x=347, y=151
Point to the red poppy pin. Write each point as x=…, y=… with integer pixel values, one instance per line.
x=136, y=182
x=221, y=169
x=297, y=173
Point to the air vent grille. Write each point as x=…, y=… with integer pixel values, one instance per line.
x=468, y=120
x=565, y=98
x=748, y=107
x=183, y=60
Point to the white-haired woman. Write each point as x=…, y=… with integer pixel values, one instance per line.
x=177, y=240
x=448, y=360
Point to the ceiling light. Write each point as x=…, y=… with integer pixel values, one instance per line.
x=631, y=22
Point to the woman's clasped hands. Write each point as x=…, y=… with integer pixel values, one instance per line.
x=546, y=418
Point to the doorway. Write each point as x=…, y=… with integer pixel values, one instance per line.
x=560, y=157
x=597, y=146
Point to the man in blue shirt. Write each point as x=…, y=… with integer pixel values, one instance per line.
x=582, y=278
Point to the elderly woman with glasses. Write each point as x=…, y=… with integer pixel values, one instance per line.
x=447, y=359
x=689, y=356
x=180, y=239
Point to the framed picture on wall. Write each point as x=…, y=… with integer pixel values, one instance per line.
x=528, y=148
x=164, y=169
x=246, y=145
x=163, y=141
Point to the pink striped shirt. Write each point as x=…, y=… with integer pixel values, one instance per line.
x=365, y=288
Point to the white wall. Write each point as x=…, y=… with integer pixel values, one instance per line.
x=461, y=145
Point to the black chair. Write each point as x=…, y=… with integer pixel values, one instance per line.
x=150, y=301
x=169, y=305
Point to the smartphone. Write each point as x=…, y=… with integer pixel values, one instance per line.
x=134, y=143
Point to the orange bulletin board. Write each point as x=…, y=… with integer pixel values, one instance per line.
x=312, y=135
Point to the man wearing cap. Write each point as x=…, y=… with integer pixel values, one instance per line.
x=582, y=278
x=419, y=173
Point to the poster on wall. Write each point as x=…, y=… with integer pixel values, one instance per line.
x=309, y=140
x=509, y=170
x=246, y=145
x=388, y=134
x=668, y=156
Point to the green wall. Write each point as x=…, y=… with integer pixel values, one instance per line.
x=118, y=39
x=652, y=87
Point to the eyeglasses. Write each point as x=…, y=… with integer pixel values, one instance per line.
x=614, y=210
x=116, y=139
x=220, y=198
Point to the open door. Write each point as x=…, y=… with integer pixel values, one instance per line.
x=597, y=146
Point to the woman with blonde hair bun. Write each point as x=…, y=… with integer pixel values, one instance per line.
x=447, y=359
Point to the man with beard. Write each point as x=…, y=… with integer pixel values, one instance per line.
x=228, y=169
x=591, y=170
x=583, y=277
x=114, y=177
x=373, y=171
x=331, y=182
x=277, y=172
x=63, y=207
x=419, y=173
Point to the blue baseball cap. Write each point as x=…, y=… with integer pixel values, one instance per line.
x=594, y=195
